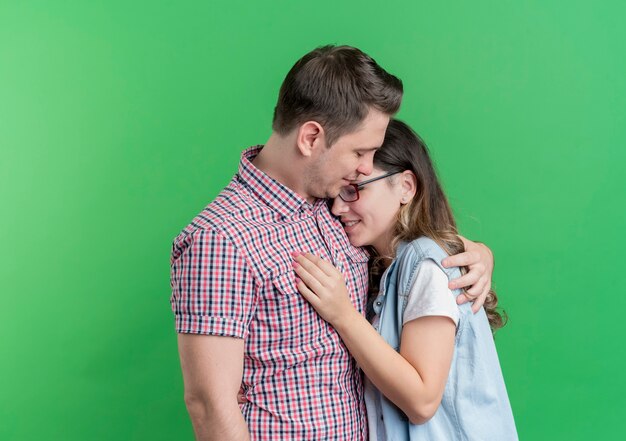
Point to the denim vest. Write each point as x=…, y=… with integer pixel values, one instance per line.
x=475, y=405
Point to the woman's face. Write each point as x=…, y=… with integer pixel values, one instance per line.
x=370, y=220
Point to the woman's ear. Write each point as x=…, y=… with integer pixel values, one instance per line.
x=310, y=137
x=408, y=186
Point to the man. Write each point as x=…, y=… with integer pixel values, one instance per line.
x=240, y=318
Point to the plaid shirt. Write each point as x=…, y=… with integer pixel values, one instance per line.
x=232, y=275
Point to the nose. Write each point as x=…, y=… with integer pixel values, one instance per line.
x=339, y=206
x=367, y=165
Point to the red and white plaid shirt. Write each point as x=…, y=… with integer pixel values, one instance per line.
x=232, y=275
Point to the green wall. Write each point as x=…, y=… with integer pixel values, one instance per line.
x=120, y=120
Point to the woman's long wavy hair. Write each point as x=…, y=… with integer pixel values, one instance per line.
x=428, y=213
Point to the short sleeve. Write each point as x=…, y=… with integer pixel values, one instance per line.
x=212, y=286
x=430, y=295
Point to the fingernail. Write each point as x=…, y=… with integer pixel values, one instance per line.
x=295, y=264
x=298, y=281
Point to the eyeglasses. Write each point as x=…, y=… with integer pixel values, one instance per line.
x=350, y=192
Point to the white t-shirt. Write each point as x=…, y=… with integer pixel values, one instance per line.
x=429, y=296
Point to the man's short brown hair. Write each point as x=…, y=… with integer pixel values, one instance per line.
x=335, y=86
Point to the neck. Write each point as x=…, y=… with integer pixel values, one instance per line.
x=279, y=160
x=383, y=246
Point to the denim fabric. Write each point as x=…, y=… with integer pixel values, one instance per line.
x=475, y=405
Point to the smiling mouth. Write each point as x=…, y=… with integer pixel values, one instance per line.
x=350, y=223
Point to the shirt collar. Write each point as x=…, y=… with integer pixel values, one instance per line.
x=274, y=194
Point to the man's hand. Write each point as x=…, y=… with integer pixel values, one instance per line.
x=478, y=258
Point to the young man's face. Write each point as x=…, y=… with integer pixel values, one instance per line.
x=348, y=158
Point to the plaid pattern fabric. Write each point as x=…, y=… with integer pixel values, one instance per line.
x=231, y=275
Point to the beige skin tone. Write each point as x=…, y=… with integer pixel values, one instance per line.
x=301, y=160
x=413, y=379
x=212, y=369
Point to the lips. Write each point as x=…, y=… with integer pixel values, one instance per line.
x=349, y=225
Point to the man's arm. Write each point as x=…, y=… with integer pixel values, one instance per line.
x=212, y=369
x=478, y=258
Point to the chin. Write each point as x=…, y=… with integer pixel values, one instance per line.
x=355, y=242
x=333, y=193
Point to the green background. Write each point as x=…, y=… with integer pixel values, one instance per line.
x=119, y=121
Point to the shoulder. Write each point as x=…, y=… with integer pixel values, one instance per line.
x=229, y=206
x=429, y=295
x=412, y=255
x=424, y=247
x=214, y=224
x=428, y=275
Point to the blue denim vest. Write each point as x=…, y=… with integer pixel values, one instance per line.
x=475, y=405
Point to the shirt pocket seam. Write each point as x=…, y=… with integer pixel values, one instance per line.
x=284, y=287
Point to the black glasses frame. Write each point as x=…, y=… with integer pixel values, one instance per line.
x=360, y=185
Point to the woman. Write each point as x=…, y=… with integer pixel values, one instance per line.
x=431, y=365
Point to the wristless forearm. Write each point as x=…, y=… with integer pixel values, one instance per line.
x=391, y=373
x=218, y=423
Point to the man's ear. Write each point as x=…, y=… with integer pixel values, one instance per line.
x=310, y=137
x=408, y=186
